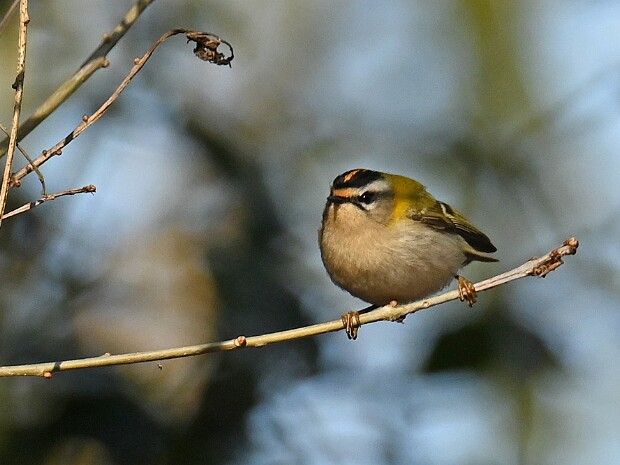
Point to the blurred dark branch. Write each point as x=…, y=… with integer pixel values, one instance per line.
x=206, y=49
x=96, y=61
x=110, y=40
x=539, y=267
x=9, y=13
x=18, y=85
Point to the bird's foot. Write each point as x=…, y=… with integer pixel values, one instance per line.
x=351, y=322
x=467, y=291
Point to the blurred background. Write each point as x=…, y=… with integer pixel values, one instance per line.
x=210, y=187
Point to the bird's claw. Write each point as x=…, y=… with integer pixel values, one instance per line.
x=467, y=291
x=351, y=322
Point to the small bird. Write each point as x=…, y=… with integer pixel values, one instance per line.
x=386, y=240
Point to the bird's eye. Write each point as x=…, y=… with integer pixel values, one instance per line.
x=366, y=197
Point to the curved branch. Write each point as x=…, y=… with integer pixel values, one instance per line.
x=96, y=61
x=206, y=49
x=534, y=267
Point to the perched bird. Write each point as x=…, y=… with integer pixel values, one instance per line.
x=385, y=239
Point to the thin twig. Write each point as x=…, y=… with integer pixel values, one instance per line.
x=203, y=40
x=97, y=60
x=533, y=267
x=18, y=85
x=30, y=205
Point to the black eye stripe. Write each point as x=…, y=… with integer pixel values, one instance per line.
x=367, y=197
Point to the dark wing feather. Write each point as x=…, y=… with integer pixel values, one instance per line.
x=440, y=215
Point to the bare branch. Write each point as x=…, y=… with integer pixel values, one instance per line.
x=18, y=85
x=30, y=205
x=533, y=267
x=96, y=61
x=204, y=42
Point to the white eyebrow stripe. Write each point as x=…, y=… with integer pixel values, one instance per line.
x=378, y=186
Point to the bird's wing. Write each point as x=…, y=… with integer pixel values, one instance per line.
x=440, y=215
